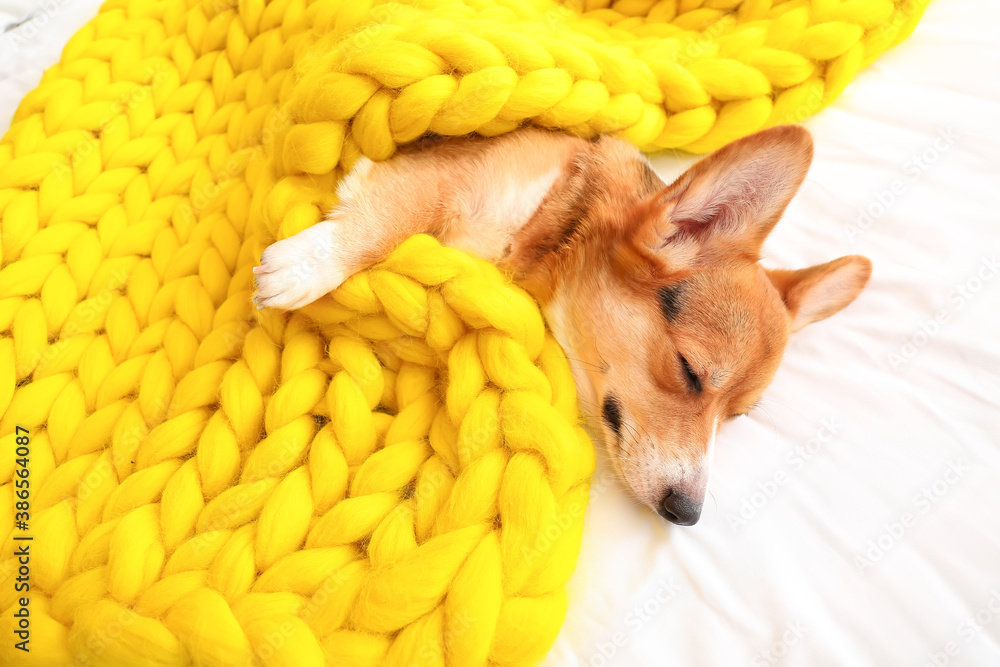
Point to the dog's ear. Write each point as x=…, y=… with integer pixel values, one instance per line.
x=730, y=201
x=818, y=292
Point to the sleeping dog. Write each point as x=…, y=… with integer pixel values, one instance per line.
x=654, y=290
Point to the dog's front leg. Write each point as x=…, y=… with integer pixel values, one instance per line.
x=380, y=205
x=473, y=194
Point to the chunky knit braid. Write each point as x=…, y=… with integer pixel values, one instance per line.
x=394, y=475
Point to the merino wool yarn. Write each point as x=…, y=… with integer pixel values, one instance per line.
x=396, y=474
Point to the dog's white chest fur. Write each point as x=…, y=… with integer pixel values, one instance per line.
x=489, y=220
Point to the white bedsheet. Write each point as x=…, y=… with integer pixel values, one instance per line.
x=853, y=517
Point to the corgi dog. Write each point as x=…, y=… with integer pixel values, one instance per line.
x=653, y=290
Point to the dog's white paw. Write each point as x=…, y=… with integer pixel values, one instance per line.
x=298, y=270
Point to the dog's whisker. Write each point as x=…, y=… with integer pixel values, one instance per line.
x=774, y=424
x=591, y=364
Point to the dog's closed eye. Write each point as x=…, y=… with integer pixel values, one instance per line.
x=692, y=379
x=612, y=413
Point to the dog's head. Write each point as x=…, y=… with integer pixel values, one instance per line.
x=673, y=326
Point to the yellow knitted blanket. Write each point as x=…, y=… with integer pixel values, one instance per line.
x=394, y=475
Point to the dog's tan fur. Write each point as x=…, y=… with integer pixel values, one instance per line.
x=654, y=291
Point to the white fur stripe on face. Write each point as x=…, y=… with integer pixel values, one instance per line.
x=709, y=458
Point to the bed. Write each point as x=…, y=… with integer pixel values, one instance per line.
x=851, y=518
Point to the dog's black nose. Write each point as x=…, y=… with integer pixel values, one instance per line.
x=678, y=508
